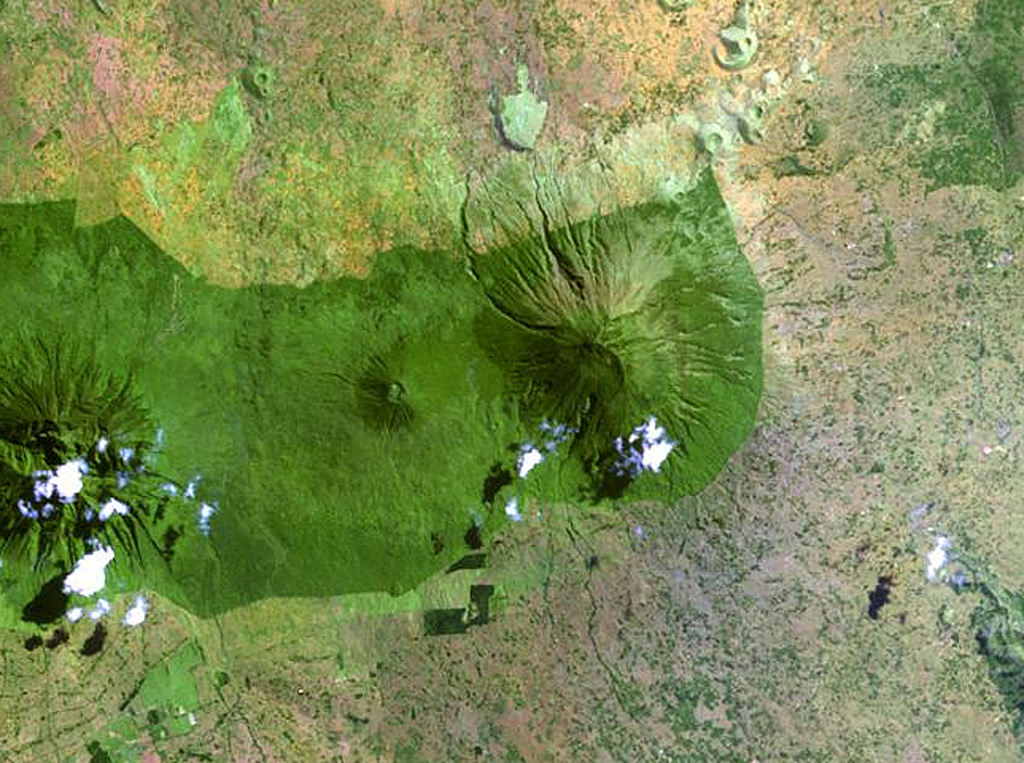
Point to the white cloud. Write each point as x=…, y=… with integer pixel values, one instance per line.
x=43, y=488
x=558, y=433
x=74, y=614
x=205, y=512
x=102, y=607
x=655, y=455
x=652, y=432
x=652, y=453
x=26, y=510
x=111, y=507
x=512, y=509
x=136, y=613
x=68, y=479
x=937, y=557
x=88, y=576
x=529, y=459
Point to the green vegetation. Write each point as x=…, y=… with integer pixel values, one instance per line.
x=522, y=114
x=340, y=427
x=258, y=79
x=55, y=406
x=76, y=450
x=168, y=695
x=945, y=122
x=673, y=6
x=381, y=398
x=962, y=116
x=998, y=621
x=996, y=56
x=650, y=311
x=118, y=743
x=249, y=387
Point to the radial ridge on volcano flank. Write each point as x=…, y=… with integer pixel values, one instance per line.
x=649, y=311
x=56, y=404
x=382, y=398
